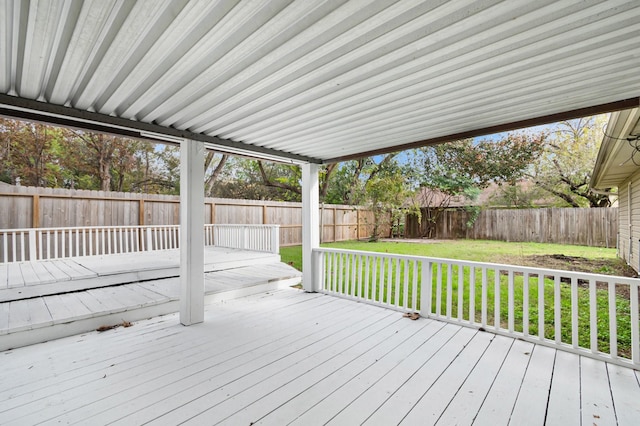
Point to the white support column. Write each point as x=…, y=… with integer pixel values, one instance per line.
x=310, y=225
x=191, y=234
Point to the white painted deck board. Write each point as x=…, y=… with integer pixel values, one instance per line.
x=4, y=283
x=363, y=347
x=467, y=401
x=626, y=394
x=313, y=405
x=29, y=275
x=286, y=355
x=242, y=370
x=564, y=400
x=169, y=375
x=4, y=315
x=596, y=402
x=394, y=409
x=498, y=405
x=14, y=275
x=44, y=273
x=433, y=403
x=533, y=394
x=376, y=385
x=54, y=269
x=161, y=339
x=75, y=270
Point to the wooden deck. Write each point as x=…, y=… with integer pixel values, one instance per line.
x=82, y=294
x=289, y=357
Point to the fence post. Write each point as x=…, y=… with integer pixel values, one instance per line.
x=32, y=245
x=35, y=219
x=425, y=289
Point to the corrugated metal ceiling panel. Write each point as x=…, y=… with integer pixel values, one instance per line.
x=322, y=79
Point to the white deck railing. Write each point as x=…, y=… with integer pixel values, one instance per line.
x=18, y=245
x=248, y=237
x=590, y=314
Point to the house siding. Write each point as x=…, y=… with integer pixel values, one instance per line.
x=629, y=230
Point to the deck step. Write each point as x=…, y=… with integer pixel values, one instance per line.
x=52, y=316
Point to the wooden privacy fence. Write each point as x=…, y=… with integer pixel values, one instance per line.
x=597, y=227
x=30, y=207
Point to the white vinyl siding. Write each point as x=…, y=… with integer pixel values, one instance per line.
x=629, y=234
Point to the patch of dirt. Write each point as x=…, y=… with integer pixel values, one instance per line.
x=572, y=263
x=617, y=267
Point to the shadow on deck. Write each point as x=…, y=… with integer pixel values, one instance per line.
x=46, y=300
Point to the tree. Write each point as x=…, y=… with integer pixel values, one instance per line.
x=346, y=182
x=28, y=153
x=462, y=168
x=213, y=167
x=565, y=167
x=386, y=196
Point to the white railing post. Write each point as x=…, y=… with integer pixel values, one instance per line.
x=318, y=263
x=32, y=245
x=149, y=239
x=275, y=239
x=425, y=289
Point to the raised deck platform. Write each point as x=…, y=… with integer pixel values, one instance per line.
x=289, y=357
x=45, y=300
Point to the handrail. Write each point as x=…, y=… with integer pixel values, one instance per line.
x=26, y=244
x=591, y=314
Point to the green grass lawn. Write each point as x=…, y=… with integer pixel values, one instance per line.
x=476, y=250
x=517, y=254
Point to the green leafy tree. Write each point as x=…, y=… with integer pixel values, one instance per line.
x=386, y=198
x=463, y=168
x=564, y=169
x=28, y=153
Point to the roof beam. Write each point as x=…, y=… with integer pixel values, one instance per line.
x=515, y=125
x=28, y=109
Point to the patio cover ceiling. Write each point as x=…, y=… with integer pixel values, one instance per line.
x=316, y=81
